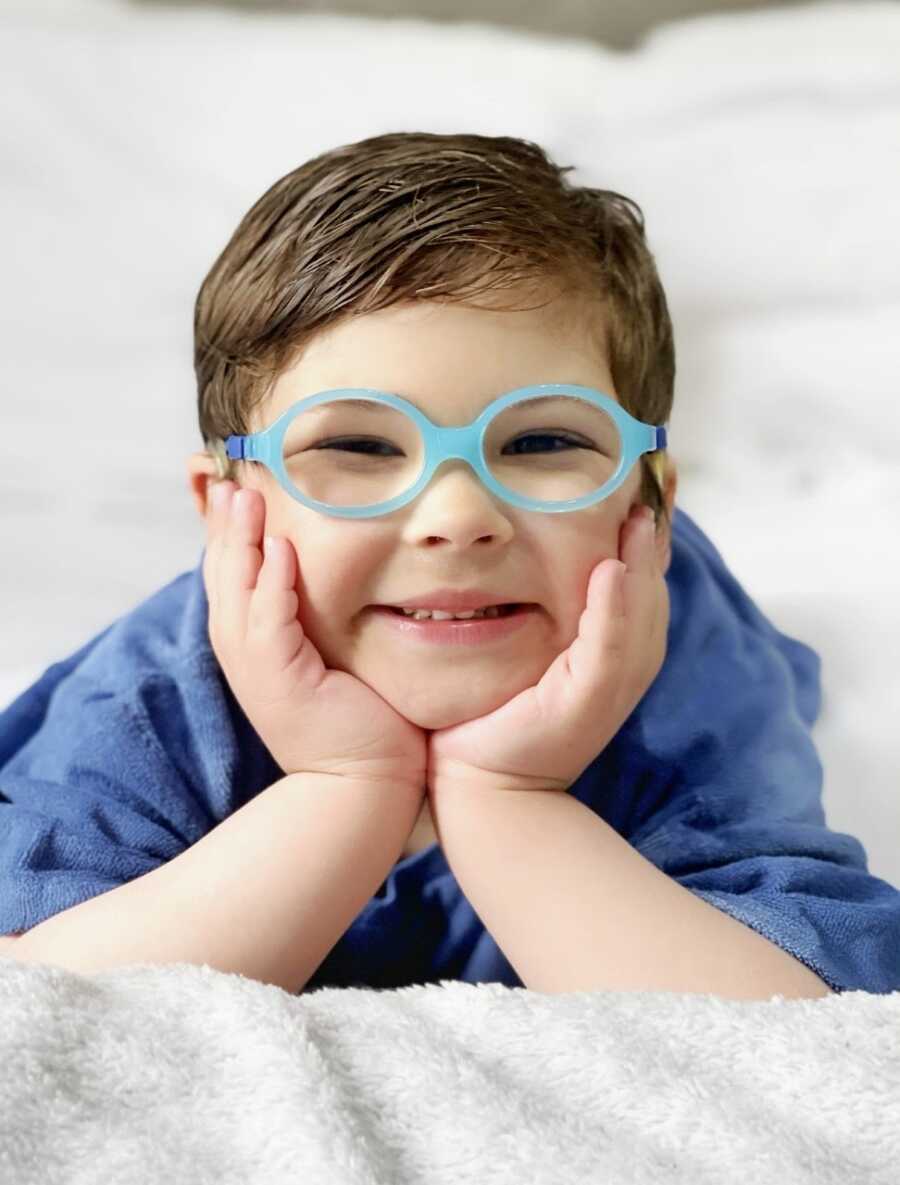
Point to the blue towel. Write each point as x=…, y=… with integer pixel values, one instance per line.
x=133, y=748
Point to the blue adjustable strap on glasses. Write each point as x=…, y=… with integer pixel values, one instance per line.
x=465, y=443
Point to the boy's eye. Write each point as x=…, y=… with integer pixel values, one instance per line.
x=567, y=441
x=366, y=445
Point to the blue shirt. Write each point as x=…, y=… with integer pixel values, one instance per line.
x=127, y=752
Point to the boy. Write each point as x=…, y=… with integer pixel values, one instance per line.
x=284, y=766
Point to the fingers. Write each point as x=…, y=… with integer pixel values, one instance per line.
x=273, y=628
x=235, y=528
x=638, y=553
x=647, y=593
x=638, y=547
x=219, y=497
x=251, y=583
x=621, y=606
x=277, y=602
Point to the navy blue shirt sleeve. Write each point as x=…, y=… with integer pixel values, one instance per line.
x=787, y=876
x=119, y=758
x=93, y=799
x=722, y=784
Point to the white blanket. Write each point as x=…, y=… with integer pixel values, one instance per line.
x=173, y=1074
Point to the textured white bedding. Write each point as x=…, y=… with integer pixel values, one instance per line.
x=152, y=1074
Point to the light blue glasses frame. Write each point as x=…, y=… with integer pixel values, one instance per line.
x=465, y=443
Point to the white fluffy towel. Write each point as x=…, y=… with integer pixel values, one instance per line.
x=177, y=1074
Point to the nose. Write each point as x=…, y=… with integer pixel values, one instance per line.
x=456, y=505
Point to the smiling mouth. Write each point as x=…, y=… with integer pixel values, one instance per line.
x=506, y=610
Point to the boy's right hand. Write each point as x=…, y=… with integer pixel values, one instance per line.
x=310, y=718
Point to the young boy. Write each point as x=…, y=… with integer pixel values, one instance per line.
x=435, y=376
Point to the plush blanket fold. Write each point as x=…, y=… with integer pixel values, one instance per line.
x=149, y=1074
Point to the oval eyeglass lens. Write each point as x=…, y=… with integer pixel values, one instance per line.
x=553, y=448
x=352, y=452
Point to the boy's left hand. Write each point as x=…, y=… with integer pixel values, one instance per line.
x=546, y=736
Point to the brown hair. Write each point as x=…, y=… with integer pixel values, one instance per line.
x=416, y=216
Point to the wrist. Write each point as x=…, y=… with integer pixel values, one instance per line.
x=405, y=785
x=456, y=780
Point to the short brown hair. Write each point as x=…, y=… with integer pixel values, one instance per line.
x=417, y=216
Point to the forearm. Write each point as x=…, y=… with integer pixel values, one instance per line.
x=574, y=907
x=266, y=894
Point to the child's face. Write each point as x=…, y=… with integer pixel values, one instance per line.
x=450, y=361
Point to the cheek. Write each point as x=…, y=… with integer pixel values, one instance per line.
x=340, y=578
x=594, y=546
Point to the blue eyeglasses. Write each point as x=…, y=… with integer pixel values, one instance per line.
x=356, y=452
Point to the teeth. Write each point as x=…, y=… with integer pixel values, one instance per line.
x=440, y=615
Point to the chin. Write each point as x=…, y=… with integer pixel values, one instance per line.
x=443, y=707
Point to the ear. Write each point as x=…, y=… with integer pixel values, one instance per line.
x=202, y=472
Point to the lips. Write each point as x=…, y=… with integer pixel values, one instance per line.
x=505, y=610
x=465, y=632
x=452, y=600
